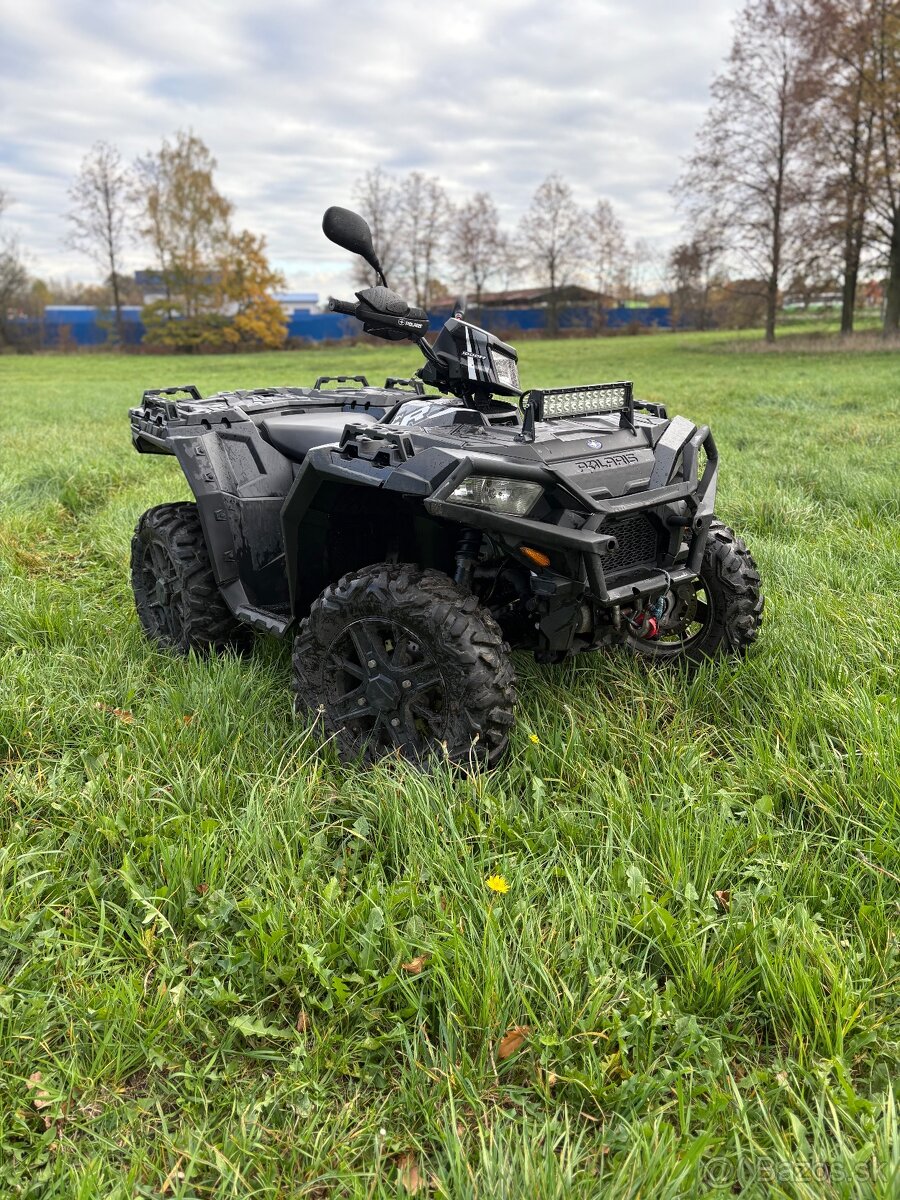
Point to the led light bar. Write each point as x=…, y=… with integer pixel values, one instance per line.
x=594, y=399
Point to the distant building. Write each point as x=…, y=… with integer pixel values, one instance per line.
x=152, y=285
x=297, y=302
x=535, y=297
x=815, y=301
x=871, y=294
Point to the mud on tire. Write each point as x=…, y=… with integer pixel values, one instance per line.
x=397, y=659
x=176, y=595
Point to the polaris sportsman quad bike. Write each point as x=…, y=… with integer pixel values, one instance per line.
x=411, y=534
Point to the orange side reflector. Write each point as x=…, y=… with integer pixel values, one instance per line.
x=536, y=556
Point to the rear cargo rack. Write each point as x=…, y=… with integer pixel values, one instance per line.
x=151, y=397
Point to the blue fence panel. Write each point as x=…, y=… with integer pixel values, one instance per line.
x=320, y=327
x=652, y=318
x=574, y=316
x=90, y=327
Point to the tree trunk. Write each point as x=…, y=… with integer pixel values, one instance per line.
x=777, y=211
x=117, y=304
x=552, y=313
x=851, y=252
x=848, y=297
x=771, y=307
x=892, y=297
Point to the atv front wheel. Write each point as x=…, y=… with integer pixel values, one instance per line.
x=721, y=611
x=399, y=660
x=176, y=595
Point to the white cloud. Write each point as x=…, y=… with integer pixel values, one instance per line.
x=297, y=98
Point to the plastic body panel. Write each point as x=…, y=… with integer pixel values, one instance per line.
x=281, y=526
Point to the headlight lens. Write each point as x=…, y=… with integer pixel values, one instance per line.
x=514, y=496
x=505, y=368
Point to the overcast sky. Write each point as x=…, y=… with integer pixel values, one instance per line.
x=296, y=100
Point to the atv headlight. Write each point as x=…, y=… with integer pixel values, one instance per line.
x=506, y=369
x=499, y=495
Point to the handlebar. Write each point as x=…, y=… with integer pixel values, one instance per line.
x=384, y=314
x=343, y=306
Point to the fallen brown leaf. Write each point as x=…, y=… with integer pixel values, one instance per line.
x=409, y=1174
x=122, y=713
x=302, y=1022
x=202, y=888
x=723, y=898
x=512, y=1040
x=174, y=1176
x=41, y=1097
x=415, y=965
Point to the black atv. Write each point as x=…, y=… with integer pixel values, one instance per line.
x=413, y=533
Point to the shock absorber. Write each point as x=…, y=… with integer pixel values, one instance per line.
x=466, y=556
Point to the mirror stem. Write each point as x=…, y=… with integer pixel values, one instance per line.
x=427, y=350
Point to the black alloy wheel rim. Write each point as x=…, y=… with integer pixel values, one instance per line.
x=694, y=622
x=385, y=688
x=160, y=586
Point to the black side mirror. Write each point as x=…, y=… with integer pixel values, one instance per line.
x=349, y=230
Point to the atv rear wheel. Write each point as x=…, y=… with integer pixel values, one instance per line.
x=176, y=595
x=719, y=612
x=397, y=659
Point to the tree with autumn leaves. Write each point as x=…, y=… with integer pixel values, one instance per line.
x=216, y=282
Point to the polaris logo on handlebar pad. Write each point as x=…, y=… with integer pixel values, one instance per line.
x=410, y=324
x=615, y=460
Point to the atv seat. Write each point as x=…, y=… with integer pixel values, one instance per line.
x=296, y=436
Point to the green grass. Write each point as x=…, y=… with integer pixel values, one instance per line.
x=203, y=915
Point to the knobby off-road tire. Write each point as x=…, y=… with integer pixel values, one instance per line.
x=729, y=606
x=176, y=596
x=396, y=659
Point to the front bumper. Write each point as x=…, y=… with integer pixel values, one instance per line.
x=687, y=504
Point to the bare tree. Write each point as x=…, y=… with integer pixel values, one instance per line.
x=551, y=235
x=101, y=204
x=607, y=249
x=376, y=196
x=748, y=170
x=840, y=37
x=477, y=244
x=424, y=215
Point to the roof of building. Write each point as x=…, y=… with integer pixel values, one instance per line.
x=296, y=297
x=530, y=297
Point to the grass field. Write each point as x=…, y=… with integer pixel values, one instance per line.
x=204, y=918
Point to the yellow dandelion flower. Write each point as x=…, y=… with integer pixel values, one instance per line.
x=498, y=884
x=534, y=739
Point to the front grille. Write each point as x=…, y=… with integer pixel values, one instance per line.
x=638, y=540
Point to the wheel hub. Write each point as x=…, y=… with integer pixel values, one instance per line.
x=382, y=693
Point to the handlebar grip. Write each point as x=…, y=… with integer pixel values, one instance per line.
x=343, y=306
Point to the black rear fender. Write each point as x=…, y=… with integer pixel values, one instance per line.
x=240, y=482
